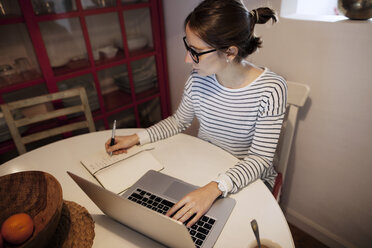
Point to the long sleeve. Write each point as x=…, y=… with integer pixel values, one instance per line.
x=174, y=124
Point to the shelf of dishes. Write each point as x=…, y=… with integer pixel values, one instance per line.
x=65, y=43
x=101, y=56
x=10, y=75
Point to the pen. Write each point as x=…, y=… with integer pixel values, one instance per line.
x=113, y=136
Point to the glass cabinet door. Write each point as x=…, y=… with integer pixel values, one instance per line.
x=105, y=37
x=18, y=61
x=65, y=45
x=138, y=31
x=144, y=77
x=115, y=87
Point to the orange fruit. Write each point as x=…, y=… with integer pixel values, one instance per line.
x=17, y=228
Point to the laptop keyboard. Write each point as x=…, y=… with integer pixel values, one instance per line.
x=199, y=231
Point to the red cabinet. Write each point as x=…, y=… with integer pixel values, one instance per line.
x=115, y=49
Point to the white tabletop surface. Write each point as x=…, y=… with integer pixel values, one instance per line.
x=183, y=156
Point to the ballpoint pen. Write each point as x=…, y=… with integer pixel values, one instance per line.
x=113, y=136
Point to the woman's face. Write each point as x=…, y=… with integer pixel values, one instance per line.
x=209, y=63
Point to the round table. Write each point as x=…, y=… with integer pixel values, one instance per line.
x=186, y=157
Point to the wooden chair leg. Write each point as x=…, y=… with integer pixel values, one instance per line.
x=278, y=186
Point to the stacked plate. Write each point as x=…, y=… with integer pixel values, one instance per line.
x=89, y=88
x=144, y=77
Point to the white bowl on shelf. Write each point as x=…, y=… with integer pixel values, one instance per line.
x=59, y=61
x=109, y=51
x=137, y=42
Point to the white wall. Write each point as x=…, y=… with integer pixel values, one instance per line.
x=328, y=190
x=175, y=12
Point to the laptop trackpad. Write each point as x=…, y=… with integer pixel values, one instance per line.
x=178, y=190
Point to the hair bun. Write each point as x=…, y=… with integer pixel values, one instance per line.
x=263, y=15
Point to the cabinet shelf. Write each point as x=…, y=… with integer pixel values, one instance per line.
x=17, y=78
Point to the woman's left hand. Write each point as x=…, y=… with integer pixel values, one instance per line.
x=195, y=203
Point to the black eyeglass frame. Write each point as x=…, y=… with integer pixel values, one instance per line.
x=194, y=54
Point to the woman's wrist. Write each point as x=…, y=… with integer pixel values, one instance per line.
x=221, y=185
x=213, y=186
x=134, y=139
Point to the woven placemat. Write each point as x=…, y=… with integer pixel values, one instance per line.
x=75, y=228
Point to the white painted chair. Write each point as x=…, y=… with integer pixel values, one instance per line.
x=297, y=95
x=47, y=114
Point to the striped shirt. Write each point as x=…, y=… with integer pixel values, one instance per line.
x=246, y=122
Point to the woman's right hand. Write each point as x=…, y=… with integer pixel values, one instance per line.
x=122, y=144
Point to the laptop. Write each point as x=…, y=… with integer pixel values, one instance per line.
x=143, y=206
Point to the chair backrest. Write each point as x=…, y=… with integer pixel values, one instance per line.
x=297, y=95
x=15, y=124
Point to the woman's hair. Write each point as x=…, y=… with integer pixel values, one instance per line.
x=225, y=23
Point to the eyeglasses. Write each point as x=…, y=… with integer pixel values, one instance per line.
x=195, y=55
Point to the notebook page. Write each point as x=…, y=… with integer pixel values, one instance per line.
x=102, y=159
x=118, y=172
x=123, y=174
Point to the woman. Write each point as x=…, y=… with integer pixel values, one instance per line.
x=240, y=107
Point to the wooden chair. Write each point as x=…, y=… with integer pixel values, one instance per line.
x=297, y=95
x=14, y=125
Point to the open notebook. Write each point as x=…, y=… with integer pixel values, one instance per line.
x=118, y=172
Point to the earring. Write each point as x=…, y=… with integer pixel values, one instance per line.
x=227, y=61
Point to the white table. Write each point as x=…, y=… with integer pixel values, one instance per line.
x=184, y=157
